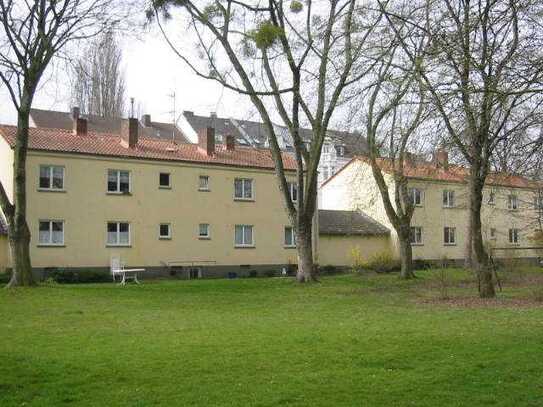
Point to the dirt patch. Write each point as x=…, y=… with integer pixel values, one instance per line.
x=475, y=302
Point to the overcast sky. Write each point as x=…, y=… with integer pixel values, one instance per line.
x=152, y=73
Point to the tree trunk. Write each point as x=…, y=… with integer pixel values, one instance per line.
x=406, y=254
x=20, y=254
x=306, y=267
x=468, y=251
x=480, y=259
x=19, y=233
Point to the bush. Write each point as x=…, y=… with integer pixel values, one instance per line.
x=77, y=277
x=329, y=269
x=381, y=262
x=5, y=277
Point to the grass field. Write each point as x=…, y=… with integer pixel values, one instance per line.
x=352, y=340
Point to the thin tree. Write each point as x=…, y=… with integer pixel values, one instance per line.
x=98, y=84
x=32, y=34
x=483, y=72
x=292, y=61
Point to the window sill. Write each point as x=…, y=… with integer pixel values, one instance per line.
x=204, y=190
x=51, y=245
x=164, y=187
x=449, y=244
x=417, y=244
x=289, y=247
x=245, y=247
x=244, y=199
x=52, y=190
x=164, y=238
x=119, y=246
x=448, y=207
x=119, y=193
x=204, y=238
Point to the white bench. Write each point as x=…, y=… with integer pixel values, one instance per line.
x=118, y=269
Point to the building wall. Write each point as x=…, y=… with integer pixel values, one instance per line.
x=4, y=253
x=339, y=250
x=6, y=167
x=355, y=189
x=86, y=208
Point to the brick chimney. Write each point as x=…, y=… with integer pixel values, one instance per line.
x=442, y=158
x=230, y=143
x=75, y=113
x=206, y=140
x=129, y=132
x=79, y=127
x=146, y=120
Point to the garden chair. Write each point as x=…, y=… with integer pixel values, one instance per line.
x=118, y=269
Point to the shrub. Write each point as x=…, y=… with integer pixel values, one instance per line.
x=5, y=277
x=381, y=262
x=329, y=269
x=77, y=277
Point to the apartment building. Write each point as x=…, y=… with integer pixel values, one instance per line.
x=338, y=148
x=511, y=210
x=151, y=201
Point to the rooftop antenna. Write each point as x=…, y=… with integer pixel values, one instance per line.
x=131, y=107
x=173, y=113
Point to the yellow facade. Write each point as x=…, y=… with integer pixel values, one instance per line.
x=354, y=188
x=4, y=253
x=85, y=207
x=344, y=250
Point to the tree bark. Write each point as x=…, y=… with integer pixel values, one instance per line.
x=480, y=259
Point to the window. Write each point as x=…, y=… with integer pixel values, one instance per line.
x=203, y=231
x=416, y=196
x=448, y=199
x=492, y=233
x=416, y=235
x=164, y=180
x=449, y=236
x=244, y=236
x=326, y=149
x=165, y=231
x=51, y=233
x=293, y=190
x=243, y=188
x=203, y=183
x=118, y=182
x=290, y=236
x=492, y=198
x=340, y=151
x=512, y=202
x=51, y=177
x=514, y=236
x=118, y=234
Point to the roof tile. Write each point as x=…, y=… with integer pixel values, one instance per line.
x=349, y=223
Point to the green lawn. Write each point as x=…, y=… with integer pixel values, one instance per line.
x=352, y=340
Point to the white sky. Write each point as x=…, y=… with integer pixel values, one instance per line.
x=152, y=72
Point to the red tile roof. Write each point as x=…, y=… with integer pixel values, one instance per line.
x=104, y=144
x=454, y=173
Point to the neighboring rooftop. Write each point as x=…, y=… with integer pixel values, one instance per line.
x=349, y=223
x=432, y=171
x=152, y=148
x=248, y=132
x=64, y=120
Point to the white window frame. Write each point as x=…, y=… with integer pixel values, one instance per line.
x=413, y=194
x=493, y=233
x=512, y=202
x=492, y=197
x=413, y=236
x=449, y=198
x=514, y=236
x=208, y=235
x=292, y=236
x=206, y=187
x=169, y=186
x=51, y=169
x=243, y=189
x=118, y=190
x=169, y=235
x=293, y=186
x=340, y=151
x=50, y=242
x=244, y=244
x=118, y=232
x=447, y=236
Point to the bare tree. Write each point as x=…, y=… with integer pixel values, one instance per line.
x=33, y=33
x=98, y=85
x=483, y=72
x=292, y=60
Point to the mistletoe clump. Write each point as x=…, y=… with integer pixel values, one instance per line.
x=266, y=34
x=296, y=6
